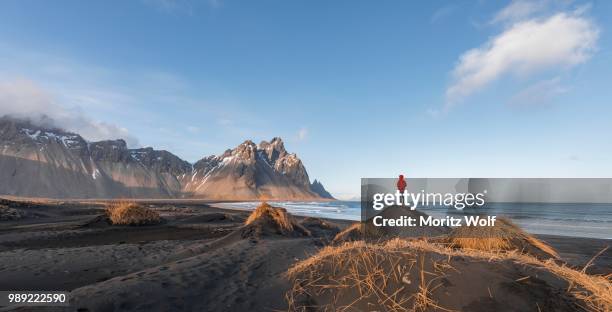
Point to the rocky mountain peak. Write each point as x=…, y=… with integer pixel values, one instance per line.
x=246, y=151
x=206, y=164
x=273, y=150
x=291, y=166
x=26, y=132
x=318, y=188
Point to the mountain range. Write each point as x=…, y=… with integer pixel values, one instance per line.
x=44, y=161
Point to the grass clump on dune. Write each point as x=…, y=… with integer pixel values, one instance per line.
x=408, y=275
x=130, y=213
x=504, y=236
x=358, y=276
x=268, y=218
x=594, y=290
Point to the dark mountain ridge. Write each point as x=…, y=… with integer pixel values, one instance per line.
x=42, y=161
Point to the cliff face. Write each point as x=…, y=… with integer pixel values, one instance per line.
x=46, y=162
x=250, y=171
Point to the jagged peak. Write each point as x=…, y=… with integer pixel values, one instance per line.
x=206, y=162
x=273, y=150
x=246, y=150
x=317, y=187
x=276, y=143
x=276, y=140
x=291, y=158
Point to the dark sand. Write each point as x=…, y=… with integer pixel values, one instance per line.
x=194, y=261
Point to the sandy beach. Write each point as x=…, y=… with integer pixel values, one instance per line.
x=204, y=258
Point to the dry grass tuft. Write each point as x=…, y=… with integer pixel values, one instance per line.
x=504, y=236
x=594, y=290
x=358, y=276
x=130, y=213
x=278, y=217
x=356, y=232
x=371, y=268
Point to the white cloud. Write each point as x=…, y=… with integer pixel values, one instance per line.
x=24, y=99
x=560, y=41
x=518, y=10
x=302, y=134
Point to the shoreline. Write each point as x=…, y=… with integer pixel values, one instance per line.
x=214, y=204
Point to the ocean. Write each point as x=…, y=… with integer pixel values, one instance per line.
x=564, y=219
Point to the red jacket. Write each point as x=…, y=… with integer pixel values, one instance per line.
x=401, y=184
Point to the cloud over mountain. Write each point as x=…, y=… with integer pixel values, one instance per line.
x=25, y=99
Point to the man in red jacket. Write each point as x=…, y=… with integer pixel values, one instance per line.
x=401, y=186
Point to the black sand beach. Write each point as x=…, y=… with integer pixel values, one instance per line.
x=203, y=258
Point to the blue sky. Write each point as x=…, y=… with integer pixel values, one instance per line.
x=355, y=88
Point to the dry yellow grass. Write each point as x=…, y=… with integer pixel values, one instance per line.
x=326, y=272
x=379, y=275
x=279, y=217
x=130, y=213
x=594, y=290
x=357, y=231
x=505, y=235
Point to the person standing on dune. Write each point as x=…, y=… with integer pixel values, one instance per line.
x=401, y=184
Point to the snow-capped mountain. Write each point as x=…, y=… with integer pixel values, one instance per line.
x=47, y=162
x=261, y=171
